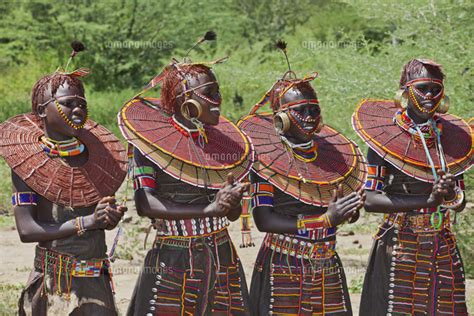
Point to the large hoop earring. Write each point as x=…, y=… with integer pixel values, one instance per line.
x=282, y=122
x=444, y=105
x=185, y=109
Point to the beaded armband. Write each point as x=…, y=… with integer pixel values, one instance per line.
x=375, y=177
x=144, y=177
x=262, y=194
x=24, y=198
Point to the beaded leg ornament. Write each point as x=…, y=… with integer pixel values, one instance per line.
x=245, y=223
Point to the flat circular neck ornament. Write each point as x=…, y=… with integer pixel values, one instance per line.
x=148, y=128
x=373, y=120
x=83, y=186
x=338, y=161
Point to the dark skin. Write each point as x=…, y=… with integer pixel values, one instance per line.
x=227, y=201
x=36, y=223
x=430, y=90
x=208, y=116
x=340, y=209
x=422, y=194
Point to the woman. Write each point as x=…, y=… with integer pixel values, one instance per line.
x=416, y=157
x=184, y=151
x=299, y=163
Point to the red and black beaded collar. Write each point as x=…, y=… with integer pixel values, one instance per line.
x=377, y=123
x=100, y=176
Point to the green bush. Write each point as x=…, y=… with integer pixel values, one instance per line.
x=358, y=47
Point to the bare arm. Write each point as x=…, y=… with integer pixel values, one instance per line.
x=149, y=205
x=340, y=209
x=31, y=229
x=382, y=202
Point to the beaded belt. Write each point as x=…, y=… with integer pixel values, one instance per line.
x=425, y=220
x=300, y=248
x=218, y=237
x=190, y=227
x=57, y=263
x=317, y=234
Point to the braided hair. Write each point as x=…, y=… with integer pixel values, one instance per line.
x=172, y=83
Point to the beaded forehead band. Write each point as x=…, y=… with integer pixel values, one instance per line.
x=63, y=97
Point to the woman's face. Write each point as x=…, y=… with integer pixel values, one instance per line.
x=305, y=117
x=424, y=95
x=66, y=112
x=208, y=95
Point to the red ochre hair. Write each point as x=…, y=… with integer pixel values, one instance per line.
x=172, y=83
x=415, y=67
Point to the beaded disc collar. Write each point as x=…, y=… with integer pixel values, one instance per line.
x=100, y=176
x=177, y=152
x=381, y=125
x=337, y=161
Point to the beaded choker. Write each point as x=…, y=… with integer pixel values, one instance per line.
x=306, y=152
x=188, y=132
x=198, y=134
x=407, y=125
x=65, y=148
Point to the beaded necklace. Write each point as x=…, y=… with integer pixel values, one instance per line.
x=426, y=129
x=198, y=133
x=65, y=148
x=306, y=152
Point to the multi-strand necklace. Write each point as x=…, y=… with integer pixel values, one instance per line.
x=427, y=129
x=64, y=148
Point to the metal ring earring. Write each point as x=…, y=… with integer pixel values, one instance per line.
x=282, y=122
x=185, y=109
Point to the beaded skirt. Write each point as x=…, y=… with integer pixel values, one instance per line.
x=191, y=275
x=296, y=276
x=414, y=268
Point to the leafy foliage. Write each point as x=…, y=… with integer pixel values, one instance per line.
x=357, y=46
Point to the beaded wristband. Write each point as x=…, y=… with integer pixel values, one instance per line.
x=456, y=201
x=80, y=225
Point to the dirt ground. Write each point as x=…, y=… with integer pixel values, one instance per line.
x=17, y=258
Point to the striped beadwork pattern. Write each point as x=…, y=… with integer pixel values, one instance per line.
x=305, y=278
x=262, y=194
x=205, y=284
x=144, y=177
x=24, y=198
x=426, y=273
x=375, y=177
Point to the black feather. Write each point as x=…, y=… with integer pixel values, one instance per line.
x=210, y=36
x=77, y=46
x=281, y=45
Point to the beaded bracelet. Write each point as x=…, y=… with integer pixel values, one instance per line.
x=456, y=201
x=80, y=225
